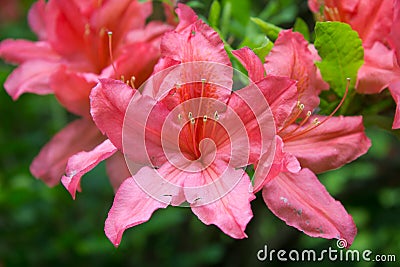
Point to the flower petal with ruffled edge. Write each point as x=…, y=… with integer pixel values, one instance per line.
x=83, y=162
x=303, y=202
x=251, y=62
x=132, y=206
x=50, y=164
x=19, y=51
x=337, y=141
x=30, y=77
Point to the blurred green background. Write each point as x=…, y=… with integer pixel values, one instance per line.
x=41, y=226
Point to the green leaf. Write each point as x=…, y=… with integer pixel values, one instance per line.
x=264, y=50
x=215, y=11
x=269, y=29
x=301, y=27
x=342, y=54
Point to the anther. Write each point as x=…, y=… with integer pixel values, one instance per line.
x=177, y=85
x=87, y=29
x=192, y=120
x=190, y=115
x=316, y=121
x=204, y=118
x=216, y=116
x=133, y=79
x=179, y=116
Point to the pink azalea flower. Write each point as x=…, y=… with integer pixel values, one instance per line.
x=291, y=189
x=195, y=134
x=72, y=52
x=377, y=24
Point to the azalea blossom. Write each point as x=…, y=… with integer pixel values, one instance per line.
x=192, y=134
x=307, y=143
x=79, y=42
x=377, y=24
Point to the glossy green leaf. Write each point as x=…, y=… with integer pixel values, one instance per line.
x=342, y=54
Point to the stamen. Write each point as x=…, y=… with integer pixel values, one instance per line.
x=316, y=123
x=193, y=132
x=87, y=29
x=179, y=116
x=216, y=118
x=293, y=117
x=133, y=79
x=190, y=115
x=301, y=123
x=110, y=51
x=204, y=127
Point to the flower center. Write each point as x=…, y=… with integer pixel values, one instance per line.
x=197, y=129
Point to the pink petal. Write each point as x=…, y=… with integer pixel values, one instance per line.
x=151, y=32
x=82, y=162
x=231, y=211
x=257, y=119
x=251, y=63
x=36, y=19
x=186, y=17
x=142, y=131
x=121, y=16
x=19, y=51
x=108, y=102
x=65, y=28
x=281, y=95
x=372, y=20
x=145, y=53
x=282, y=162
x=338, y=141
x=70, y=14
x=72, y=90
x=291, y=57
x=303, y=202
x=395, y=91
x=118, y=171
x=30, y=77
x=394, y=37
x=50, y=164
x=378, y=70
x=196, y=42
x=314, y=5
x=131, y=207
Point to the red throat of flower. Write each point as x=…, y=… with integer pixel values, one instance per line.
x=199, y=121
